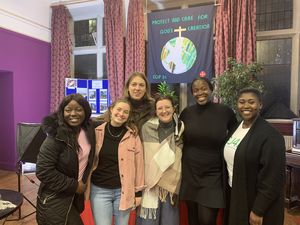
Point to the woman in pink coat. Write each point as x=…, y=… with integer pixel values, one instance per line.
x=118, y=169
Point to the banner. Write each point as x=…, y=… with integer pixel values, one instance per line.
x=180, y=44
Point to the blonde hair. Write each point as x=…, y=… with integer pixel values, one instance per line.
x=107, y=115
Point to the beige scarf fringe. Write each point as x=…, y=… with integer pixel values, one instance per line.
x=150, y=213
x=147, y=213
x=162, y=195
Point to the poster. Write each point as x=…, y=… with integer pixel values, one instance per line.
x=95, y=91
x=180, y=44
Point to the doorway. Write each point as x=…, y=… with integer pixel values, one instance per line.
x=7, y=137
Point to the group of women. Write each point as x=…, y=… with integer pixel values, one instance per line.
x=143, y=156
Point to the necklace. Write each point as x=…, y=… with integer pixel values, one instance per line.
x=116, y=136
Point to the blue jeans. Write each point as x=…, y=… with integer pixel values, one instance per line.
x=105, y=204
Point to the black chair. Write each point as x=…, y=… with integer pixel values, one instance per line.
x=29, y=139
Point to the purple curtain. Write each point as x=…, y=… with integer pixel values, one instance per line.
x=114, y=35
x=235, y=32
x=60, y=54
x=135, y=38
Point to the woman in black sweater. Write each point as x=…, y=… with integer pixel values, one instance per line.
x=206, y=128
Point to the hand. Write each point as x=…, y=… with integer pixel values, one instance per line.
x=137, y=201
x=255, y=219
x=80, y=187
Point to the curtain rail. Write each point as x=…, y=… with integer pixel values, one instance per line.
x=23, y=19
x=217, y=3
x=71, y=2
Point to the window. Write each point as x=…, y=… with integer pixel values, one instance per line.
x=275, y=56
x=89, y=46
x=86, y=66
x=278, y=51
x=274, y=14
x=85, y=32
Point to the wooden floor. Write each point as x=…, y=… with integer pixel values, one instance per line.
x=29, y=187
x=9, y=180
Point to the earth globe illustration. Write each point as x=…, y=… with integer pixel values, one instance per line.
x=178, y=55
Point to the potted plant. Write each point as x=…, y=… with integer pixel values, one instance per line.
x=235, y=78
x=164, y=89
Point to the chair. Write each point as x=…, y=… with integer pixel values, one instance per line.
x=29, y=139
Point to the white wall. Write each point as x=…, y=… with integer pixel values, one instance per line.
x=28, y=17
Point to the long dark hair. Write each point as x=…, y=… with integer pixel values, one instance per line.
x=82, y=102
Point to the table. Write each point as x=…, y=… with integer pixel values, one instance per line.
x=12, y=196
x=292, y=163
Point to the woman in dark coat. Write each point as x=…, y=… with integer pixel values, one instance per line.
x=64, y=162
x=255, y=159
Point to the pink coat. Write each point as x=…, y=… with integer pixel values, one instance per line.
x=131, y=165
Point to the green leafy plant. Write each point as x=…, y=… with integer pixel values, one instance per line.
x=165, y=90
x=235, y=78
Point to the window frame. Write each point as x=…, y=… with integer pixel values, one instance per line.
x=294, y=34
x=97, y=49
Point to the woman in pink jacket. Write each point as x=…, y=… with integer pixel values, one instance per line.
x=118, y=169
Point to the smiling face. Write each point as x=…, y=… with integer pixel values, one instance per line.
x=137, y=88
x=164, y=110
x=201, y=92
x=119, y=114
x=248, y=106
x=74, y=114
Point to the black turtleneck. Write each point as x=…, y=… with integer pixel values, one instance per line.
x=136, y=104
x=202, y=107
x=142, y=110
x=165, y=129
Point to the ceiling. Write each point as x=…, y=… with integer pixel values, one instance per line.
x=83, y=7
x=162, y=4
x=78, y=8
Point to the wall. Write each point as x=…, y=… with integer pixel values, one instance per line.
x=30, y=17
x=25, y=85
x=24, y=69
